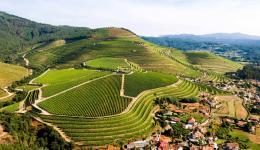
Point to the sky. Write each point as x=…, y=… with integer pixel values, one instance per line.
x=145, y=17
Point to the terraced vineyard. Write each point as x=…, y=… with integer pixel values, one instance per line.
x=134, y=123
x=97, y=98
x=108, y=63
x=211, y=62
x=215, y=77
x=60, y=80
x=140, y=81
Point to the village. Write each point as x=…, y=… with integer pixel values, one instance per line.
x=206, y=122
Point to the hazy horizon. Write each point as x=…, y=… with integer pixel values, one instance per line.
x=147, y=18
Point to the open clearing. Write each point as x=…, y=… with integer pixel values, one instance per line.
x=231, y=106
x=10, y=73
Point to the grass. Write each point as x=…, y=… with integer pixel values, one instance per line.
x=244, y=136
x=210, y=62
x=27, y=87
x=60, y=80
x=10, y=73
x=197, y=117
x=135, y=123
x=108, y=63
x=125, y=47
x=94, y=99
x=141, y=81
x=11, y=108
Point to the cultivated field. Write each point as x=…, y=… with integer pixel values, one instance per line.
x=10, y=73
x=140, y=81
x=231, y=106
x=211, y=62
x=97, y=98
x=60, y=80
x=108, y=63
x=134, y=123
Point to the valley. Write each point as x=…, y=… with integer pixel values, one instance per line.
x=97, y=88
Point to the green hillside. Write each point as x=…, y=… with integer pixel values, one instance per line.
x=10, y=73
x=210, y=62
x=17, y=33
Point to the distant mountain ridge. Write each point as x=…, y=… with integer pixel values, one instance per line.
x=226, y=36
x=235, y=46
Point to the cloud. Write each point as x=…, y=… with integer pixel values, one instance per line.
x=147, y=17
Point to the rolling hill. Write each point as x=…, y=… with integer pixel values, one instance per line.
x=82, y=94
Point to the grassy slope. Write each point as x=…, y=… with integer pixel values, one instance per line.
x=211, y=62
x=141, y=81
x=110, y=42
x=97, y=98
x=108, y=63
x=59, y=80
x=244, y=136
x=10, y=73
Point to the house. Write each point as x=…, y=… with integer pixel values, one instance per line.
x=175, y=120
x=231, y=146
x=241, y=124
x=191, y=121
x=138, y=144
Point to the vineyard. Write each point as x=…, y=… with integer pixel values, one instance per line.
x=140, y=81
x=31, y=97
x=136, y=122
x=60, y=80
x=108, y=63
x=97, y=98
x=211, y=62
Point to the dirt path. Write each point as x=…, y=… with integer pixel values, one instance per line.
x=122, y=90
x=8, y=93
x=66, y=138
x=43, y=99
x=30, y=71
x=31, y=82
x=26, y=60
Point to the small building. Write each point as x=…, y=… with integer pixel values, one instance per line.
x=191, y=121
x=231, y=146
x=241, y=124
x=138, y=144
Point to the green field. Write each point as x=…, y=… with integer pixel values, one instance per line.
x=108, y=63
x=60, y=80
x=97, y=98
x=136, y=122
x=245, y=137
x=11, y=108
x=140, y=81
x=27, y=88
x=10, y=73
x=210, y=62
